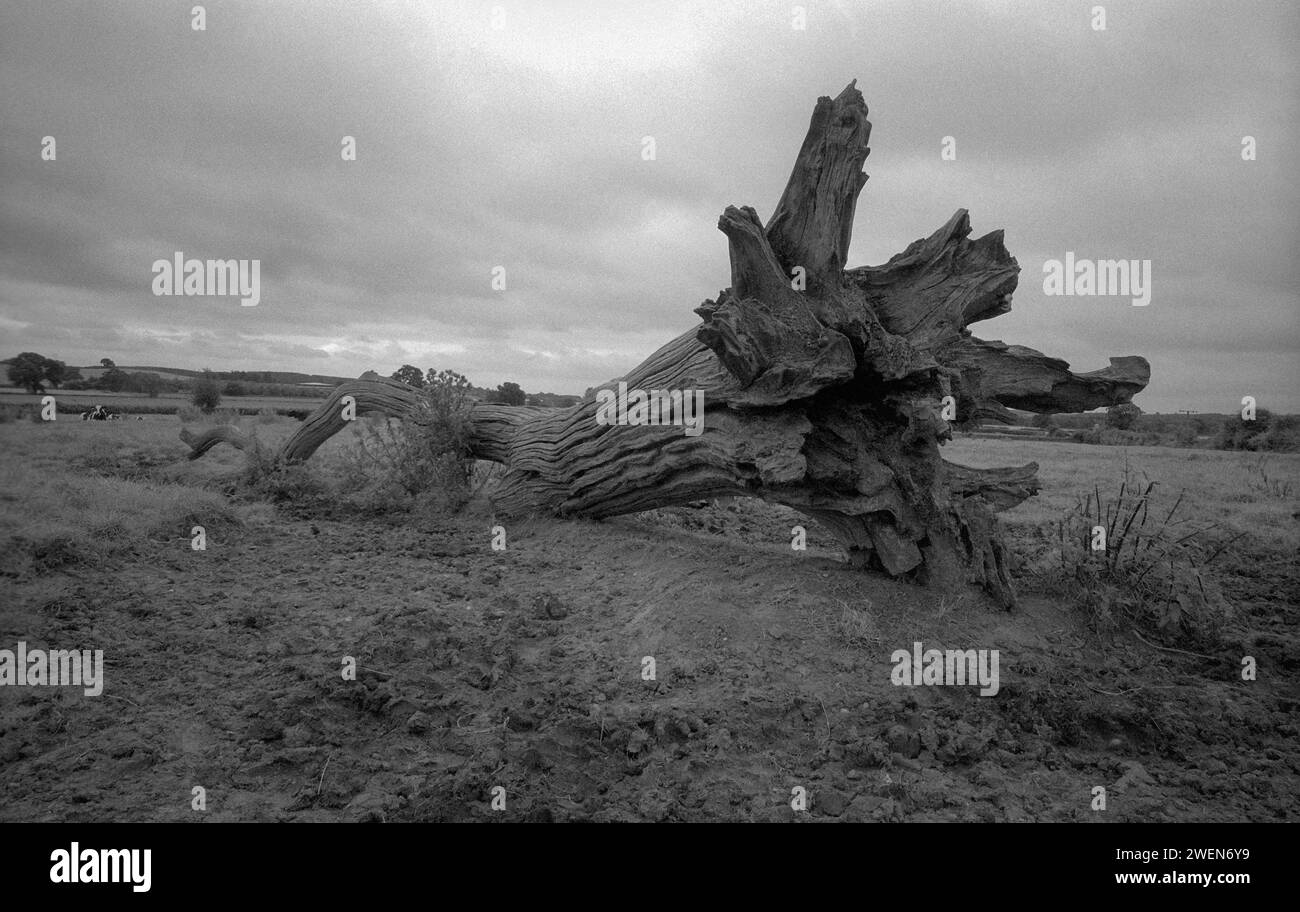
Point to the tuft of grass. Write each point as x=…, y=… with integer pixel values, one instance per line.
x=1153, y=571
x=856, y=626
x=266, y=477
x=1259, y=480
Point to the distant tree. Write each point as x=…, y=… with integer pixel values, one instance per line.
x=114, y=380
x=1122, y=416
x=56, y=372
x=72, y=374
x=1156, y=424
x=447, y=380
x=206, y=393
x=28, y=371
x=1239, y=434
x=409, y=375
x=145, y=382
x=1283, y=434
x=107, y=362
x=234, y=388
x=509, y=393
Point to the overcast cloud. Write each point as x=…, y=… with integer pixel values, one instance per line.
x=521, y=147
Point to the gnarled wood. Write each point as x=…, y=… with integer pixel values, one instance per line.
x=370, y=395
x=222, y=433
x=1021, y=378
x=813, y=222
x=829, y=398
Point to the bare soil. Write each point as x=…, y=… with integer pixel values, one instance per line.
x=523, y=669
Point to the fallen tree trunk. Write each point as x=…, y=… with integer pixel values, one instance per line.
x=824, y=389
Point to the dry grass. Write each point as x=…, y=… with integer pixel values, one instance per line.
x=76, y=490
x=420, y=462
x=82, y=491
x=856, y=626
x=1220, y=485
x=1186, y=530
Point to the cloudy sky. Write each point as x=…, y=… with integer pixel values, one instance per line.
x=511, y=134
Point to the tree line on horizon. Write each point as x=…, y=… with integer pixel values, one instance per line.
x=1122, y=424
x=34, y=372
x=507, y=393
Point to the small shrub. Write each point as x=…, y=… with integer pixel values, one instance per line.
x=206, y=394
x=269, y=478
x=1116, y=437
x=1185, y=435
x=1283, y=434
x=230, y=416
x=424, y=459
x=1239, y=434
x=1122, y=417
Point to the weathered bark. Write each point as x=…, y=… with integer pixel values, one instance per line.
x=827, y=396
x=222, y=433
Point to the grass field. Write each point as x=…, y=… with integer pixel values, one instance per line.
x=522, y=667
x=72, y=403
x=1254, y=493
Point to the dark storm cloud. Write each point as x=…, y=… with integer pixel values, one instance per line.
x=521, y=148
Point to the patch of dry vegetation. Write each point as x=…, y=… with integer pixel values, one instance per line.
x=80, y=493
x=422, y=462
x=1129, y=558
x=1214, y=539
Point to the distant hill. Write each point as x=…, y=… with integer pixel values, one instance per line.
x=181, y=373
x=554, y=400
x=256, y=379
